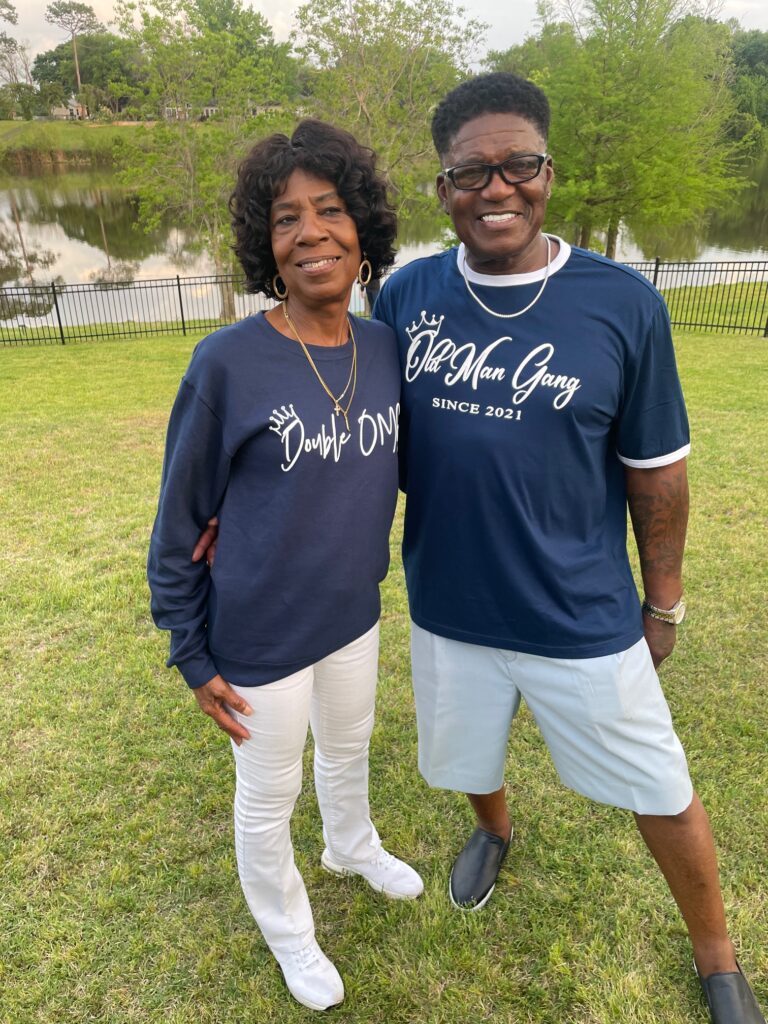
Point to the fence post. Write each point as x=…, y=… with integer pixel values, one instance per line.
x=765, y=332
x=181, y=306
x=58, y=314
x=656, y=263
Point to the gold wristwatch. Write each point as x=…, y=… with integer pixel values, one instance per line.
x=673, y=616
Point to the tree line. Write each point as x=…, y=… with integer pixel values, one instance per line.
x=656, y=107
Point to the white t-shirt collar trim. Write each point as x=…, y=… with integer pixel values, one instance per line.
x=505, y=280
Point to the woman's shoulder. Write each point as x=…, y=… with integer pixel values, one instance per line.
x=227, y=355
x=373, y=331
x=230, y=343
x=225, y=340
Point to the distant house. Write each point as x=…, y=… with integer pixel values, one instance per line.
x=73, y=111
x=185, y=113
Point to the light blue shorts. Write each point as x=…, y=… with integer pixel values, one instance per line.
x=605, y=721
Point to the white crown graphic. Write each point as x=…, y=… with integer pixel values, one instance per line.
x=430, y=325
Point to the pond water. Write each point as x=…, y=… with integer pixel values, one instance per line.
x=79, y=228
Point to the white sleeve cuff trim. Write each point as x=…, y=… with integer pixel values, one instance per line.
x=660, y=460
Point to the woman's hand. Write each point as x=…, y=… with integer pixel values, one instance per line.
x=214, y=697
x=206, y=542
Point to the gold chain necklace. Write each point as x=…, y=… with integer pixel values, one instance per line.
x=338, y=408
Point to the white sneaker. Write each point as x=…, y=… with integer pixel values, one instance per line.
x=384, y=873
x=311, y=977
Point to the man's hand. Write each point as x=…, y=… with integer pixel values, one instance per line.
x=660, y=637
x=213, y=698
x=206, y=542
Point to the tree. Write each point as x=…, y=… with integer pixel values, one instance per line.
x=639, y=91
x=380, y=67
x=8, y=12
x=750, y=58
x=251, y=28
x=199, y=66
x=164, y=34
x=194, y=66
x=14, y=62
x=75, y=18
x=112, y=66
x=18, y=99
x=250, y=43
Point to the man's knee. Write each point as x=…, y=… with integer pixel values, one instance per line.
x=685, y=817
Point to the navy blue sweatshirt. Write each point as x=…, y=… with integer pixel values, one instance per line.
x=305, y=506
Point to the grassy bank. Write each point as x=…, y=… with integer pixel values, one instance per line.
x=118, y=890
x=29, y=145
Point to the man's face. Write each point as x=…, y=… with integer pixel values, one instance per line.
x=500, y=224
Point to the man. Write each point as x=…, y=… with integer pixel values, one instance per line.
x=540, y=398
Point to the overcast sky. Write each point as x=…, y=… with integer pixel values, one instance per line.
x=510, y=21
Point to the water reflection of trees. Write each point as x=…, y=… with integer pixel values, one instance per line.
x=419, y=224
x=104, y=217
x=744, y=225
x=90, y=209
x=18, y=259
x=100, y=217
x=119, y=272
x=740, y=225
x=18, y=263
x=681, y=243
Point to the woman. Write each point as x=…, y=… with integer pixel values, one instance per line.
x=285, y=427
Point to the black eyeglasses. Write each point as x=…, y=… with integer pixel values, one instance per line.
x=513, y=170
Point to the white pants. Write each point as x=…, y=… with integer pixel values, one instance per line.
x=336, y=696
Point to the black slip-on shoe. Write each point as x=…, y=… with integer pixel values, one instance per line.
x=730, y=999
x=475, y=870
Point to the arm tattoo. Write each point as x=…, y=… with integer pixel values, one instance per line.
x=658, y=506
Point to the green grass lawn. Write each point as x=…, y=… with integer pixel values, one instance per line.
x=119, y=898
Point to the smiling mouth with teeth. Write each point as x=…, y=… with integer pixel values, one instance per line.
x=314, y=264
x=495, y=218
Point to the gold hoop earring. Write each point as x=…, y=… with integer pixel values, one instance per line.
x=365, y=271
x=276, y=290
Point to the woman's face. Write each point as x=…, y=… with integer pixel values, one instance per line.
x=314, y=240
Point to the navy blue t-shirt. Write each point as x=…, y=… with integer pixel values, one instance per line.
x=305, y=506
x=514, y=436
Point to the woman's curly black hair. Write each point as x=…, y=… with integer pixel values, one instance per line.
x=326, y=152
x=498, y=92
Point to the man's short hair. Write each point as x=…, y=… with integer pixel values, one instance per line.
x=499, y=92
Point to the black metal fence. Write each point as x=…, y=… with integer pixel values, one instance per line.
x=56, y=314
x=727, y=296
